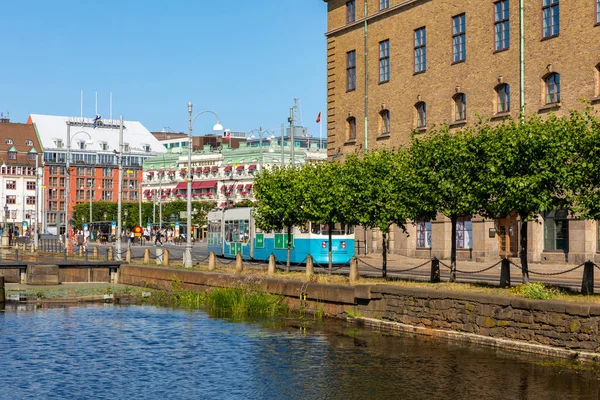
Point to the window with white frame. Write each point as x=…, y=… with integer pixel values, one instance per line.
x=383, y=4
x=464, y=233
x=423, y=235
x=503, y=98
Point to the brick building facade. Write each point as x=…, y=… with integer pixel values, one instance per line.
x=395, y=66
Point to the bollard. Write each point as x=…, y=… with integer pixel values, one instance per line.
x=147, y=256
x=109, y=254
x=95, y=252
x=212, y=262
x=239, y=267
x=166, y=258
x=128, y=255
x=2, y=295
x=80, y=251
x=505, y=273
x=587, y=285
x=32, y=248
x=354, y=276
x=271, y=269
x=310, y=267
x=435, y=271
x=159, y=255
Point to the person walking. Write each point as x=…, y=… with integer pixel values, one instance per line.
x=157, y=238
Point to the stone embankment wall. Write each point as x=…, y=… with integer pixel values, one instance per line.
x=542, y=326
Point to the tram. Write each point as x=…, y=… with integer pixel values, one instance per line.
x=232, y=231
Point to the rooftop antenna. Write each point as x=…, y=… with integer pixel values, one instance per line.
x=297, y=113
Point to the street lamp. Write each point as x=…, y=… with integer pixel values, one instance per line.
x=260, y=135
x=187, y=262
x=68, y=183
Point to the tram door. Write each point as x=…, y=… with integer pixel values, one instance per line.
x=508, y=236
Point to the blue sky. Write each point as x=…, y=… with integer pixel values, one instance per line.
x=245, y=60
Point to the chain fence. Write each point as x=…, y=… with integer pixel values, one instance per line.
x=550, y=273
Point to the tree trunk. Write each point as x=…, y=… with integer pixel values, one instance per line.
x=289, y=249
x=453, y=250
x=523, y=251
x=330, y=254
x=384, y=255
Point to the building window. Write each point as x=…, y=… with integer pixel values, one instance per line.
x=58, y=143
x=503, y=98
x=460, y=107
x=107, y=195
x=384, y=122
x=351, y=70
x=556, y=230
x=502, y=24
x=551, y=18
x=11, y=185
x=30, y=185
x=351, y=128
x=598, y=78
x=350, y=11
x=8, y=141
x=420, y=50
x=383, y=4
x=32, y=156
x=421, y=114
x=384, y=61
x=597, y=11
x=28, y=143
x=459, y=38
x=464, y=233
x=423, y=235
x=12, y=155
x=552, y=86
x=11, y=199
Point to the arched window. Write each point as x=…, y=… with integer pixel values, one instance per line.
x=552, y=85
x=384, y=122
x=8, y=141
x=28, y=143
x=503, y=98
x=421, y=108
x=351, y=128
x=460, y=107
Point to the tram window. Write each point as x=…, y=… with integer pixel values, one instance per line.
x=304, y=228
x=315, y=228
x=245, y=231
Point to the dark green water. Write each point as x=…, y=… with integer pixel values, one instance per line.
x=145, y=352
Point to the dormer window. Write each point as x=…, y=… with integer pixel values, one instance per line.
x=58, y=143
x=126, y=147
x=81, y=145
x=9, y=141
x=146, y=148
x=104, y=146
x=12, y=153
x=29, y=143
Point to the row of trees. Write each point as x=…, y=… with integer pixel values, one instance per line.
x=489, y=170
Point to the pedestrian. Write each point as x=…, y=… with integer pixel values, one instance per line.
x=157, y=238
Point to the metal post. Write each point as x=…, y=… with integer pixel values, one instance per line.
x=587, y=284
x=505, y=273
x=187, y=259
x=120, y=190
x=37, y=210
x=67, y=190
x=435, y=271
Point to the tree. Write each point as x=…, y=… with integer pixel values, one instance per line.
x=280, y=202
x=527, y=170
x=323, y=196
x=379, y=193
x=449, y=170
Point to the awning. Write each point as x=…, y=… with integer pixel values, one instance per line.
x=214, y=169
x=239, y=168
x=248, y=185
x=181, y=186
x=227, y=168
x=150, y=172
x=194, y=195
x=240, y=186
x=206, y=170
x=223, y=204
x=230, y=187
x=204, y=184
x=178, y=194
x=209, y=194
x=198, y=170
x=146, y=191
x=252, y=166
x=223, y=187
x=201, y=194
x=148, y=197
x=167, y=191
x=244, y=192
x=164, y=196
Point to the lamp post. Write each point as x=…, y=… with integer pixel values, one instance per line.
x=187, y=262
x=68, y=182
x=125, y=214
x=260, y=135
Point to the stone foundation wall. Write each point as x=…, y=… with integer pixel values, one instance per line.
x=501, y=320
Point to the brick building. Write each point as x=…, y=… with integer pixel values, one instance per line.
x=94, y=174
x=396, y=66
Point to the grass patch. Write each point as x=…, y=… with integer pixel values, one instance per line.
x=536, y=291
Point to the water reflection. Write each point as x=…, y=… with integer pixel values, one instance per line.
x=106, y=351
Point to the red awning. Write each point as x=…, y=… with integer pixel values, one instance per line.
x=201, y=194
x=239, y=168
x=214, y=169
x=244, y=192
x=206, y=170
x=248, y=185
x=167, y=191
x=150, y=172
x=149, y=197
x=198, y=170
x=209, y=194
x=240, y=186
x=178, y=194
x=252, y=166
x=194, y=195
x=223, y=204
x=227, y=168
x=230, y=187
x=146, y=191
x=204, y=184
x=223, y=187
x=164, y=196
x=181, y=186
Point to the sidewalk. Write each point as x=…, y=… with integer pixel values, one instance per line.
x=398, y=262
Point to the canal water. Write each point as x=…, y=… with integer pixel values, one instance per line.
x=146, y=352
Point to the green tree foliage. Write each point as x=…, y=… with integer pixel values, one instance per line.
x=280, y=201
x=324, y=197
x=449, y=168
x=528, y=168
